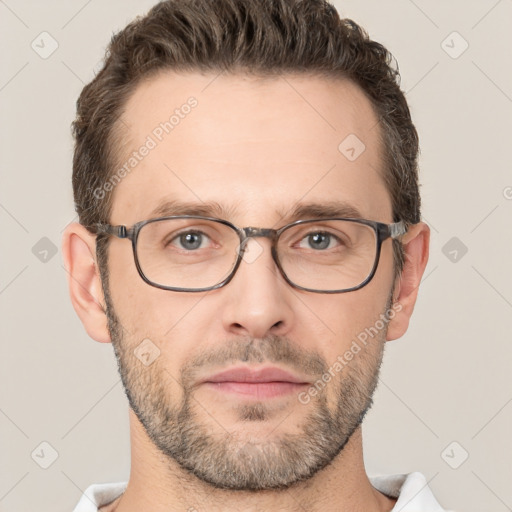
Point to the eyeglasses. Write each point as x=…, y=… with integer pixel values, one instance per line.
x=190, y=253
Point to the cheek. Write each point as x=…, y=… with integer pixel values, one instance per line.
x=136, y=302
x=345, y=317
x=333, y=323
x=385, y=273
x=124, y=281
x=171, y=320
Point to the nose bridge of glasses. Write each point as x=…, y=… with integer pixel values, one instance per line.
x=250, y=255
x=251, y=232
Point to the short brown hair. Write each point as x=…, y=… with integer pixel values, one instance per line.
x=258, y=37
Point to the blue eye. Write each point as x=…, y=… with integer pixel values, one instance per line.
x=319, y=241
x=190, y=240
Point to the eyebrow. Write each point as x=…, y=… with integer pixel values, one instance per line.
x=206, y=209
x=329, y=209
x=309, y=210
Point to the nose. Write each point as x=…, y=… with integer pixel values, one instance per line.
x=258, y=299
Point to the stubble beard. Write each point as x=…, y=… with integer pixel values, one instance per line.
x=229, y=460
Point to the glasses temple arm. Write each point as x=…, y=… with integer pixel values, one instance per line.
x=396, y=229
x=107, y=229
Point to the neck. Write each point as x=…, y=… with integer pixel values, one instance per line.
x=155, y=480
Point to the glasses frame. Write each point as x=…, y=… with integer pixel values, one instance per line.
x=382, y=232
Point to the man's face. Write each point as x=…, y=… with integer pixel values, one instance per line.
x=258, y=149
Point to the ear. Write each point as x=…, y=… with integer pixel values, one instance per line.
x=84, y=283
x=416, y=244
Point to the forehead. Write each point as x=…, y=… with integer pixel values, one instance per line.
x=256, y=147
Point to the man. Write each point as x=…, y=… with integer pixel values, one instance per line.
x=245, y=175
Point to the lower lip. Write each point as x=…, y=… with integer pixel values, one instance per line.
x=258, y=390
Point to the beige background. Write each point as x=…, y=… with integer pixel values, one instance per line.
x=448, y=380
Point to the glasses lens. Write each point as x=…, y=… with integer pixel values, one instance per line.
x=328, y=255
x=187, y=252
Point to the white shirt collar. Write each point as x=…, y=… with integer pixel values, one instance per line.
x=411, y=489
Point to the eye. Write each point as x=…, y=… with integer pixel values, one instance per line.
x=190, y=240
x=319, y=240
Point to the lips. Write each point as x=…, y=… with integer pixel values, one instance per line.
x=256, y=383
x=269, y=374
